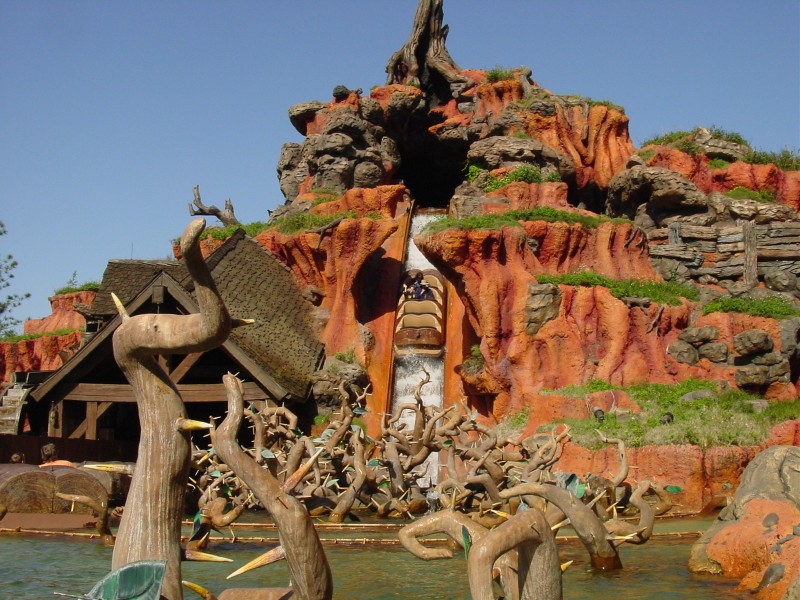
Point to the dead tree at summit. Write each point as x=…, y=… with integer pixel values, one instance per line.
x=198, y=209
x=424, y=60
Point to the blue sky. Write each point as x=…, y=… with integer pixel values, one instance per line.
x=110, y=112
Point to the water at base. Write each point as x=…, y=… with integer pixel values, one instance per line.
x=35, y=567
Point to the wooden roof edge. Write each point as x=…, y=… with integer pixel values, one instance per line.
x=177, y=291
x=185, y=299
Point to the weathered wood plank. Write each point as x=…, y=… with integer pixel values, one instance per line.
x=698, y=232
x=704, y=246
x=679, y=251
x=731, y=247
x=779, y=241
x=720, y=272
x=195, y=392
x=768, y=254
x=783, y=229
x=750, y=254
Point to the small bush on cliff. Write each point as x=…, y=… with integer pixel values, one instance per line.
x=223, y=233
x=743, y=193
x=786, y=160
x=499, y=73
x=667, y=139
x=718, y=163
x=73, y=286
x=776, y=307
x=607, y=103
x=11, y=337
x=349, y=356
x=475, y=362
x=728, y=136
x=470, y=223
x=323, y=195
x=302, y=221
x=662, y=292
x=473, y=172
x=527, y=174
x=519, y=419
x=552, y=215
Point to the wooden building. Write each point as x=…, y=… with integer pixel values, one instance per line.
x=89, y=396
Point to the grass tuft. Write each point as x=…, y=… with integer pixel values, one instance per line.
x=722, y=419
x=12, y=338
x=302, y=221
x=743, y=193
x=775, y=307
x=499, y=73
x=661, y=292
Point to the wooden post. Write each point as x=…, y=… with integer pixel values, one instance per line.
x=674, y=233
x=91, y=420
x=750, y=253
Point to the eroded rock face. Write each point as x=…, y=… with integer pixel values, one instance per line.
x=331, y=262
x=346, y=146
x=48, y=352
x=63, y=315
x=785, y=184
x=663, y=191
x=756, y=539
x=39, y=354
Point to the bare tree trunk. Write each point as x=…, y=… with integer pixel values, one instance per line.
x=151, y=524
x=539, y=571
x=226, y=217
x=308, y=565
x=587, y=525
x=424, y=56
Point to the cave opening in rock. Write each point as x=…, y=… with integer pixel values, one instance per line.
x=432, y=170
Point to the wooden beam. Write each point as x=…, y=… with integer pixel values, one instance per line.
x=191, y=392
x=86, y=428
x=187, y=363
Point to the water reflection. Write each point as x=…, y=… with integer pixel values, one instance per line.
x=35, y=567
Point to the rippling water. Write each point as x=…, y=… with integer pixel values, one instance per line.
x=35, y=567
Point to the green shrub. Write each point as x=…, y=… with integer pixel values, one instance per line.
x=32, y=336
x=688, y=146
x=471, y=223
x=526, y=173
x=607, y=103
x=720, y=420
x=89, y=286
x=519, y=419
x=728, y=136
x=499, y=73
x=324, y=195
x=718, y=163
x=473, y=172
x=786, y=160
x=683, y=139
x=661, y=292
x=475, y=362
x=775, y=307
x=520, y=135
x=646, y=154
x=667, y=139
x=743, y=193
x=348, y=356
x=552, y=215
x=223, y=233
x=302, y=221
